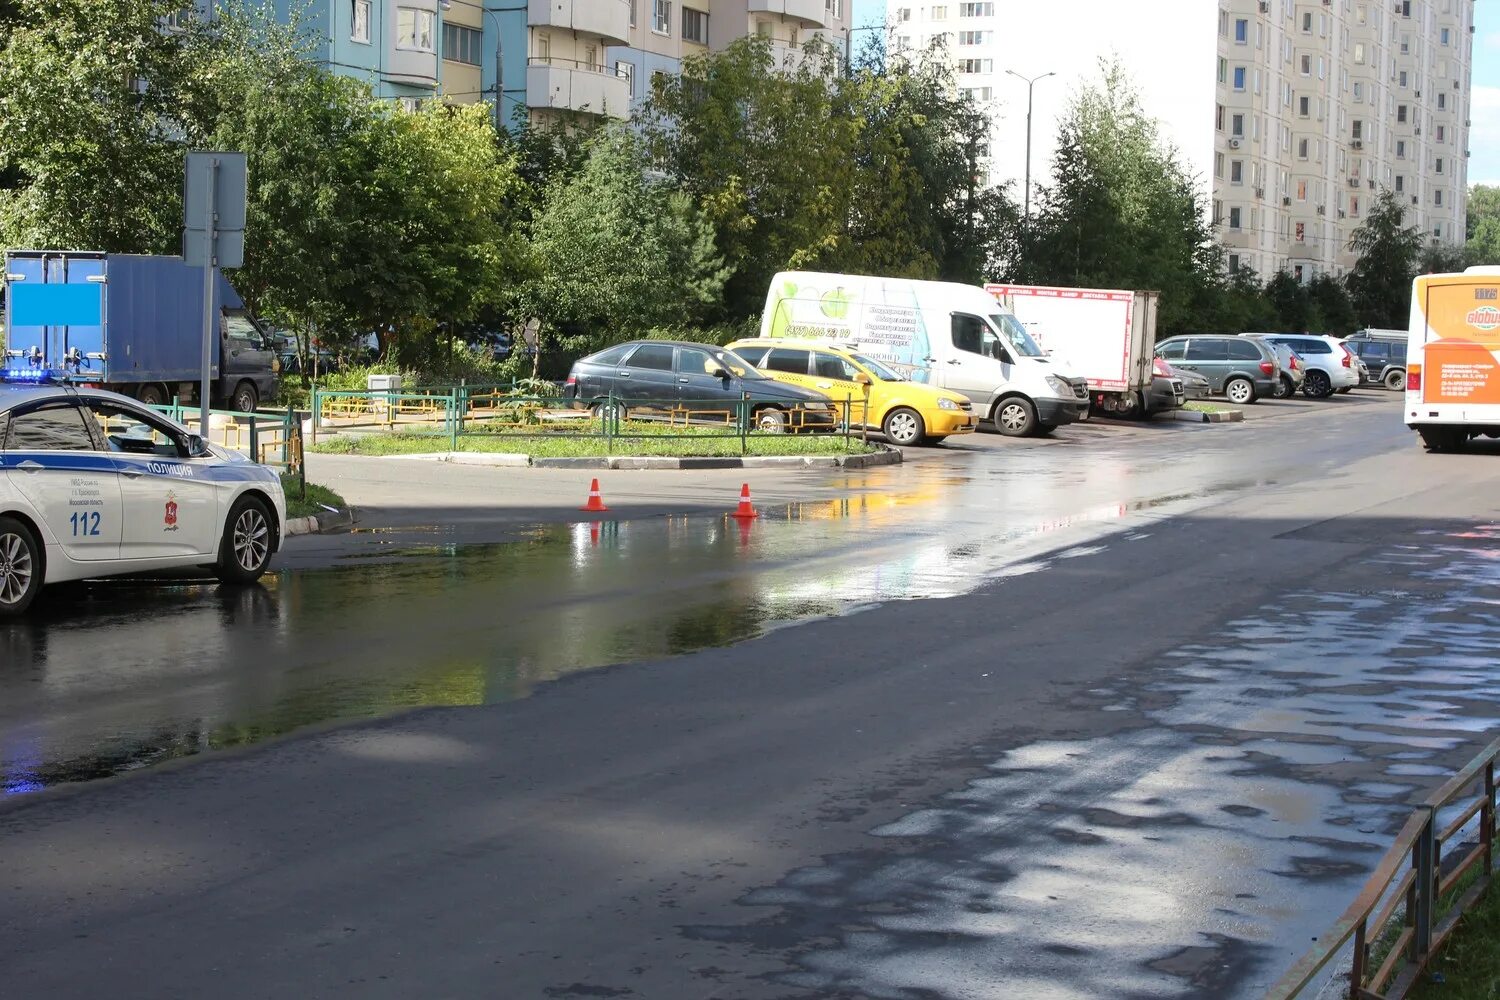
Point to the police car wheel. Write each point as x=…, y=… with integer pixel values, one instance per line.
x=20, y=567
x=245, y=551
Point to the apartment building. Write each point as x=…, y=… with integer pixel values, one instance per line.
x=1323, y=104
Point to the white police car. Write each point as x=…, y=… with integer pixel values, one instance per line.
x=94, y=484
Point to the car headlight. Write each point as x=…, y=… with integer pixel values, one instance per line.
x=1061, y=386
x=944, y=403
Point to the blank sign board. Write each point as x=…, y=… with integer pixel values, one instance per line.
x=213, y=208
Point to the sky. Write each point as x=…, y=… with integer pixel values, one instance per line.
x=1484, y=140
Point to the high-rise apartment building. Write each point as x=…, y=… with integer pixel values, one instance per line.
x=1309, y=109
x=1322, y=106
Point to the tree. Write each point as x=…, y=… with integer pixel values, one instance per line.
x=1121, y=210
x=1484, y=224
x=1332, y=307
x=91, y=100
x=1442, y=258
x=617, y=252
x=1380, y=283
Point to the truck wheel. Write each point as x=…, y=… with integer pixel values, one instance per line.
x=903, y=427
x=1015, y=417
x=1240, y=391
x=245, y=398
x=20, y=567
x=245, y=549
x=151, y=395
x=1395, y=380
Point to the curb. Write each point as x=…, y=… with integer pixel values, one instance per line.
x=886, y=456
x=321, y=524
x=1196, y=417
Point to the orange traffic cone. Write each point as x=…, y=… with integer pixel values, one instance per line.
x=596, y=502
x=745, y=510
x=594, y=534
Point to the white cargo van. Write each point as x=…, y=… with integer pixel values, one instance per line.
x=1453, y=358
x=945, y=334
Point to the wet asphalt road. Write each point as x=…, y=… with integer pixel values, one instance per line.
x=1128, y=713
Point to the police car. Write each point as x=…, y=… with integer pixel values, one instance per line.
x=93, y=484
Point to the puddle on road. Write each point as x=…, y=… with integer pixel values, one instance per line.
x=118, y=676
x=1196, y=855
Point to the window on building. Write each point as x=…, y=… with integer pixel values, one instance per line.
x=1218, y=164
x=1442, y=102
x=694, y=26
x=1359, y=53
x=1401, y=149
x=1299, y=273
x=1219, y=117
x=1236, y=171
x=940, y=13
x=1223, y=70
x=1307, y=22
x=414, y=29
x=1444, y=37
x=632, y=12
x=1304, y=106
x=903, y=14
x=1442, y=132
x=1437, y=197
x=1307, y=65
x=461, y=44
x=835, y=8
x=1401, y=79
x=976, y=65
x=1234, y=263
x=1357, y=129
x=1241, y=31
x=1437, y=232
x=1301, y=149
x=976, y=9
x=973, y=37
x=661, y=17
x=1359, y=92
x=1239, y=78
x=1234, y=218
x=1302, y=190
x=1353, y=206
x=359, y=29
x=1237, y=126
x=1301, y=232
x=626, y=71
x=1400, y=183
x=1437, y=165
x=543, y=42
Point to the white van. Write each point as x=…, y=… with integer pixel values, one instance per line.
x=945, y=334
x=1453, y=358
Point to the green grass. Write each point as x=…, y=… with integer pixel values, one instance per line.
x=646, y=439
x=1200, y=406
x=316, y=495
x=1469, y=963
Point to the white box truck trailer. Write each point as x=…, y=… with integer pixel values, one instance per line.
x=945, y=334
x=1453, y=358
x=1105, y=335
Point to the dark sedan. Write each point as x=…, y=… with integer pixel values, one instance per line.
x=694, y=379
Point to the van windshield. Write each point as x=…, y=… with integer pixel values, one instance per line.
x=1015, y=334
x=881, y=371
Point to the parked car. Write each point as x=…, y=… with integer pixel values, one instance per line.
x=906, y=412
x=1194, y=385
x=1331, y=367
x=1167, y=391
x=1293, y=370
x=660, y=375
x=1242, y=368
x=1383, y=356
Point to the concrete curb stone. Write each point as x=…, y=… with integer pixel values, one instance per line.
x=324, y=523
x=1224, y=417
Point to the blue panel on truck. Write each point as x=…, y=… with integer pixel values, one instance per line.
x=154, y=320
x=56, y=305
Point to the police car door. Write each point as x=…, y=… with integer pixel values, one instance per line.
x=171, y=504
x=50, y=458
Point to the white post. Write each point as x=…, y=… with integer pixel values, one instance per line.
x=210, y=234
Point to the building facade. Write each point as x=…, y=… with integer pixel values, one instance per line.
x=1310, y=109
x=1320, y=107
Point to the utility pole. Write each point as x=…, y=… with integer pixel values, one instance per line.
x=1030, y=87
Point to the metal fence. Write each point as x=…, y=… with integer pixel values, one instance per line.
x=269, y=437
x=1428, y=879
x=495, y=411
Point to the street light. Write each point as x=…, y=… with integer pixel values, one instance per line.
x=495, y=12
x=1030, y=85
x=849, y=45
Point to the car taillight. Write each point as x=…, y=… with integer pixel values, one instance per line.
x=1414, y=378
x=572, y=380
x=1267, y=367
x=1348, y=357
x=1294, y=362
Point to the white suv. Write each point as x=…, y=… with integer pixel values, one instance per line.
x=1331, y=367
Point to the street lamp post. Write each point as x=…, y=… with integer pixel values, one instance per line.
x=495, y=13
x=849, y=34
x=1030, y=86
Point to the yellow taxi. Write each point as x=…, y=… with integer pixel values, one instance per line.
x=907, y=413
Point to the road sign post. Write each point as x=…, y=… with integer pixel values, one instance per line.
x=213, y=236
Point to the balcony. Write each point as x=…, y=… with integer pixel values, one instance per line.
x=568, y=85
x=608, y=19
x=812, y=13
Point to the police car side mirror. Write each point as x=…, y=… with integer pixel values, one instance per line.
x=196, y=447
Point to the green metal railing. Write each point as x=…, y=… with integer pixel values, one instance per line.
x=455, y=412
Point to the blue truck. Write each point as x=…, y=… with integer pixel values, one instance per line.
x=132, y=324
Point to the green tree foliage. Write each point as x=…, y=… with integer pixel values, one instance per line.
x=1380, y=283
x=1484, y=225
x=617, y=252
x=1121, y=211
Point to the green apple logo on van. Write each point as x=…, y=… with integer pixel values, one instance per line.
x=835, y=304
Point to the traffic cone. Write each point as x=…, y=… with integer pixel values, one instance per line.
x=594, y=534
x=596, y=502
x=744, y=510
